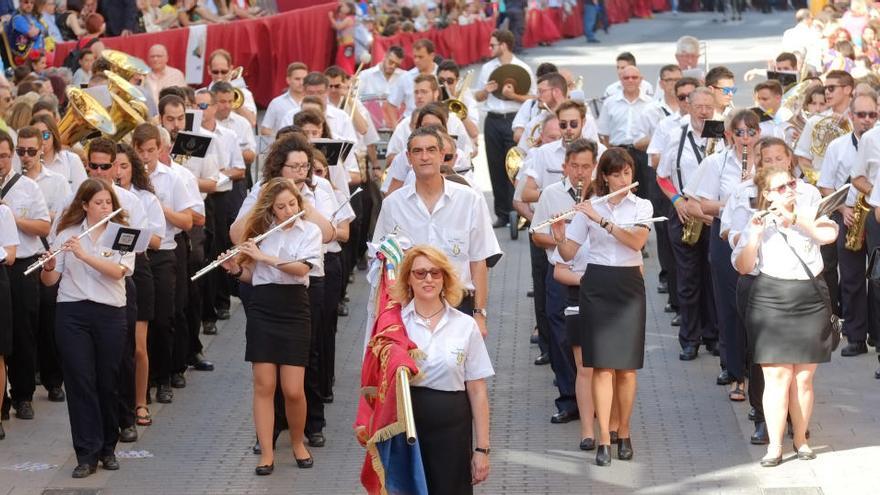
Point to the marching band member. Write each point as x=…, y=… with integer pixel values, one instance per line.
x=338, y=85
x=278, y=328
x=839, y=86
x=220, y=66
x=623, y=61
x=402, y=92
x=56, y=159
x=399, y=170
x=558, y=197
x=8, y=244
x=679, y=162
x=90, y=323
x=841, y=155
x=224, y=95
x=24, y=197
x=724, y=171
x=531, y=109
x=132, y=176
x=864, y=176
x=789, y=312
x=377, y=81
x=552, y=92
x=722, y=82
x=612, y=294
x=312, y=121
x=287, y=102
x=449, y=77
x=438, y=212
x=499, y=118
x=768, y=98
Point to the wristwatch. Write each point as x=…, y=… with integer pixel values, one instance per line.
x=482, y=451
x=481, y=311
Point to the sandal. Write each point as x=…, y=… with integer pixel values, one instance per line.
x=737, y=394
x=145, y=419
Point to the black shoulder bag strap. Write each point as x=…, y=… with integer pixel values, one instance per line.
x=678, y=157
x=9, y=185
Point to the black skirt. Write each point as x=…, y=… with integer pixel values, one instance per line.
x=787, y=322
x=146, y=293
x=5, y=313
x=444, y=428
x=612, y=300
x=573, y=322
x=278, y=325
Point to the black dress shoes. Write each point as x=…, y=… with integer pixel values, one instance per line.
x=178, y=381
x=223, y=314
x=689, y=353
x=542, y=359
x=724, y=378
x=752, y=414
x=624, y=449
x=501, y=222
x=342, y=309
x=201, y=364
x=265, y=470
x=209, y=327
x=84, y=470
x=110, y=463
x=317, y=439
x=2, y=432
x=564, y=417
x=24, y=410
x=164, y=394
x=603, y=455
x=854, y=349
x=128, y=434
x=669, y=308
x=588, y=444
x=676, y=320
x=759, y=437
x=56, y=394
x=712, y=347
x=662, y=288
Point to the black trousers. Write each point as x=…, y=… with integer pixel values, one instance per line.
x=160, y=339
x=196, y=299
x=724, y=280
x=829, y=268
x=853, y=290
x=334, y=281
x=540, y=266
x=315, y=420
x=517, y=25
x=694, y=287
x=22, y=363
x=872, y=241
x=666, y=258
x=126, y=363
x=498, y=133
x=216, y=287
x=47, y=353
x=561, y=357
x=756, y=375
x=90, y=340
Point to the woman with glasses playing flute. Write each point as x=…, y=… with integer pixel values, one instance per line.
x=278, y=318
x=612, y=293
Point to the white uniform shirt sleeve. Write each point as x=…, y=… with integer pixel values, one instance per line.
x=8, y=230
x=477, y=364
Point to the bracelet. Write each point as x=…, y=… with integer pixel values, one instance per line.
x=482, y=451
x=675, y=199
x=603, y=223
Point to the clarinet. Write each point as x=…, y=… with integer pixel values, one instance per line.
x=745, y=162
x=579, y=190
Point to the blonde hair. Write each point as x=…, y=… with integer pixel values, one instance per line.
x=261, y=216
x=453, y=290
x=762, y=182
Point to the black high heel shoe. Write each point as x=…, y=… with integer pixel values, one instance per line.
x=624, y=449
x=265, y=470
x=603, y=455
x=306, y=463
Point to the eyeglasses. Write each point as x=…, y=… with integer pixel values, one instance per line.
x=683, y=97
x=726, y=90
x=742, y=132
x=447, y=80
x=421, y=273
x=28, y=151
x=448, y=157
x=218, y=72
x=631, y=78
x=792, y=184
x=829, y=88
x=102, y=166
x=203, y=106
x=46, y=135
x=335, y=86
x=863, y=115
x=565, y=124
x=297, y=167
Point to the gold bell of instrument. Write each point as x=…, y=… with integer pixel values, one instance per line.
x=237, y=98
x=513, y=162
x=85, y=116
x=235, y=73
x=826, y=130
x=855, y=234
x=120, y=86
x=457, y=107
x=124, y=64
x=128, y=109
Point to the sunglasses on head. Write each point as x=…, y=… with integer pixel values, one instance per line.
x=742, y=132
x=421, y=273
x=862, y=115
x=792, y=184
x=102, y=166
x=565, y=124
x=27, y=151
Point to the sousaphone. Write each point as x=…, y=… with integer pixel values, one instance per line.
x=129, y=107
x=84, y=117
x=124, y=64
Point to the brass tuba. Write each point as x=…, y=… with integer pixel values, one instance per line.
x=129, y=107
x=124, y=64
x=855, y=234
x=84, y=117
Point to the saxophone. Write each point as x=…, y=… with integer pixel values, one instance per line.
x=690, y=232
x=855, y=234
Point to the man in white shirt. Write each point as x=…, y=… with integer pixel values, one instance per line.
x=161, y=75
x=839, y=86
x=23, y=196
x=624, y=60
x=449, y=76
x=497, y=128
x=768, y=98
x=840, y=158
x=617, y=123
x=287, y=102
x=442, y=213
x=802, y=35
x=400, y=101
x=376, y=83
x=220, y=67
x=244, y=133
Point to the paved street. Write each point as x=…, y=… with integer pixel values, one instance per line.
x=688, y=438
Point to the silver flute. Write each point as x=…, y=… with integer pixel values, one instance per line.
x=236, y=250
x=42, y=261
x=572, y=212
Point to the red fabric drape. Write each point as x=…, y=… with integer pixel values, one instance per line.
x=641, y=8
x=288, y=5
x=465, y=44
x=659, y=5
x=618, y=11
x=573, y=23
x=138, y=45
x=540, y=28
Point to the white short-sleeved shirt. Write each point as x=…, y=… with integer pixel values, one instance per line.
x=544, y=163
x=8, y=231
x=741, y=202
x=647, y=121
x=302, y=242
x=346, y=214
x=619, y=116
x=460, y=224
x=402, y=92
x=128, y=201
x=374, y=84
x=776, y=259
x=840, y=157
x=556, y=198
x=616, y=88
x=70, y=166
x=454, y=125
x=868, y=162
x=191, y=183
x=455, y=352
x=578, y=264
x=527, y=113
x=497, y=105
x=25, y=199
x=55, y=190
x=81, y=282
x=171, y=192
x=226, y=147
x=691, y=156
x=605, y=249
x=662, y=132
x=243, y=130
x=723, y=172
x=153, y=210
x=279, y=108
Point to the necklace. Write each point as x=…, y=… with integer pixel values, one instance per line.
x=426, y=320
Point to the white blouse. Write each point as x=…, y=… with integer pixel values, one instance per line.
x=302, y=242
x=8, y=231
x=455, y=350
x=605, y=249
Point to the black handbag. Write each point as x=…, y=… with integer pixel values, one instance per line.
x=835, y=325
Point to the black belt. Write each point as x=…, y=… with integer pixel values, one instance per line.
x=501, y=115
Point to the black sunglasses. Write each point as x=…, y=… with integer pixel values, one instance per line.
x=28, y=151
x=448, y=157
x=682, y=97
x=565, y=124
x=102, y=166
x=862, y=115
x=448, y=80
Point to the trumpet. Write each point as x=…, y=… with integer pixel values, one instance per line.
x=572, y=212
x=42, y=261
x=454, y=103
x=236, y=250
